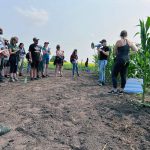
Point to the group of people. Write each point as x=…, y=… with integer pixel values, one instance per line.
x=12, y=60
x=121, y=61
x=12, y=57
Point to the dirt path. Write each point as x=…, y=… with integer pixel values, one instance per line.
x=62, y=114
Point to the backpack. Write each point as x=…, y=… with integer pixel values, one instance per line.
x=27, y=56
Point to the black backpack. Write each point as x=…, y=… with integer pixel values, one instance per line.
x=27, y=56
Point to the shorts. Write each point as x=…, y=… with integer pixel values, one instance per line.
x=35, y=64
x=46, y=61
x=58, y=61
x=6, y=63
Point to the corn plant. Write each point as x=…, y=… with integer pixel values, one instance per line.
x=145, y=52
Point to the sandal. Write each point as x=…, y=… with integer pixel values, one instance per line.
x=113, y=92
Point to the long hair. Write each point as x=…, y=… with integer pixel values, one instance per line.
x=74, y=52
x=20, y=45
x=13, y=39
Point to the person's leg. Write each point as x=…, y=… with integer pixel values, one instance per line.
x=32, y=70
x=99, y=67
x=104, y=71
x=100, y=70
x=21, y=66
x=46, y=71
x=28, y=67
x=123, y=74
x=61, y=70
x=56, y=70
x=46, y=67
x=12, y=64
x=73, y=69
x=1, y=68
x=36, y=69
x=77, y=70
x=15, y=69
x=115, y=72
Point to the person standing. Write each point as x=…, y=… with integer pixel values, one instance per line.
x=74, y=61
x=21, y=58
x=3, y=53
x=103, y=53
x=46, y=58
x=121, y=51
x=6, y=61
x=34, y=55
x=59, y=61
x=13, y=50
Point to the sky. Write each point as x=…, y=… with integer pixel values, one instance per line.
x=73, y=24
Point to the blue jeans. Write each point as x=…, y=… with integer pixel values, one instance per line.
x=75, y=68
x=102, y=66
x=21, y=65
x=29, y=67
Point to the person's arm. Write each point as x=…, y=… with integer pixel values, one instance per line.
x=116, y=48
x=10, y=51
x=133, y=47
x=105, y=53
x=30, y=55
x=24, y=52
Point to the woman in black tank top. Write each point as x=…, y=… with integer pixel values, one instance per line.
x=122, y=49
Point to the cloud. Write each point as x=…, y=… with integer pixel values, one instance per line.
x=36, y=16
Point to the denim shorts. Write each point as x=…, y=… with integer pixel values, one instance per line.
x=46, y=61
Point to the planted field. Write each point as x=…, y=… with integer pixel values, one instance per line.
x=65, y=114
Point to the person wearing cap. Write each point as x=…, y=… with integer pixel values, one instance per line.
x=34, y=58
x=103, y=53
x=46, y=57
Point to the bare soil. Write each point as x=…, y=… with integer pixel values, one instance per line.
x=66, y=114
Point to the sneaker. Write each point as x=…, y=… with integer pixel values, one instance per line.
x=20, y=74
x=120, y=91
x=36, y=78
x=100, y=84
x=103, y=83
x=113, y=92
x=32, y=79
x=11, y=80
x=16, y=79
x=43, y=76
x=2, y=81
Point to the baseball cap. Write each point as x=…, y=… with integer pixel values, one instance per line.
x=103, y=41
x=35, y=39
x=46, y=42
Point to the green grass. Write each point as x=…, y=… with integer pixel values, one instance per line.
x=68, y=66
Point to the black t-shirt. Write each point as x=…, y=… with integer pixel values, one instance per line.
x=101, y=55
x=33, y=48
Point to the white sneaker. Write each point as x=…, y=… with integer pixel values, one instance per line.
x=11, y=80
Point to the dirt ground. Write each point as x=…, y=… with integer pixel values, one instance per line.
x=65, y=114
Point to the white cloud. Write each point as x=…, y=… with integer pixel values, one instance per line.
x=36, y=16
